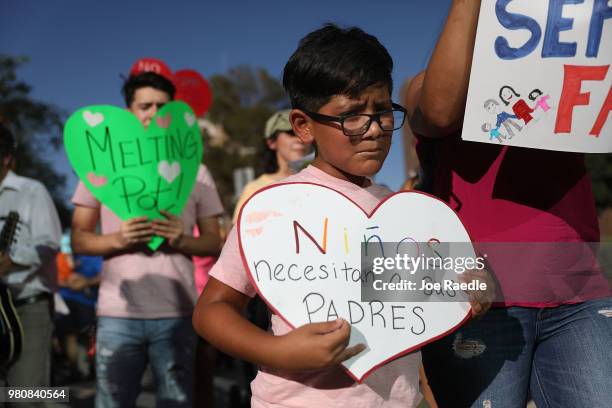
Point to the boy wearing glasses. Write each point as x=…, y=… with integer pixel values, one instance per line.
x=339, y=83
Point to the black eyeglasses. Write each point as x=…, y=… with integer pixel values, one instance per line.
x=357, y=124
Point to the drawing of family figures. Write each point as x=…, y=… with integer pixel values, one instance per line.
x=508, y=123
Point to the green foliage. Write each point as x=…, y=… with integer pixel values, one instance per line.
x=222, y=164
x=600, y=168
x=243, y=99
x=38, y=129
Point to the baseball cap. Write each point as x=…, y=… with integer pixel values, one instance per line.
x=154, y=65
x=279, y=121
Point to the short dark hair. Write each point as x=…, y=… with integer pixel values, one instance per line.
x=8, y=144
x=335, y=61
x=146, y=79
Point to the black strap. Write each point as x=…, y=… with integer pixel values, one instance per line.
x=33, y=299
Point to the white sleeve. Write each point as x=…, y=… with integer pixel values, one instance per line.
x=39, y=245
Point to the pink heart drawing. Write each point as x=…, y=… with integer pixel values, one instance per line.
x=163, y=121
x=96, y=181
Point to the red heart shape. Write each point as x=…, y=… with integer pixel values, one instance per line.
x=163, y=121
x=97, y=181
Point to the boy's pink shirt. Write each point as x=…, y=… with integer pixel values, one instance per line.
x=151, y=286
x=394, y=385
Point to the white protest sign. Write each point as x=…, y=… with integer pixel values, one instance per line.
x=301, y=245
x=541, y=75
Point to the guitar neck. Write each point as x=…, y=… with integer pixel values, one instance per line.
x=8, y=231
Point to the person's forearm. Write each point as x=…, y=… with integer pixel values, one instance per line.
x=225, y=327
x=95, y=281
x=205, y=245
x=8, y=267
x=445, y=85
x=90, y=243
x=27, y=256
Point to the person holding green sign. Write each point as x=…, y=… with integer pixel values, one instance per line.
x=146, y=298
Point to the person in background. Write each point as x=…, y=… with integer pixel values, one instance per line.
x=28, y=267
x=412, y=181
x=146, y=298
x=78, y=277
x=536, y=234
x=281, y=147
x=206, y=355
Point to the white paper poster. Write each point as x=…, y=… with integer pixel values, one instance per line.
x=541, y=75
x=301, y=244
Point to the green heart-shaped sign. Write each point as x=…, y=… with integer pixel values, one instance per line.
x=132, y=170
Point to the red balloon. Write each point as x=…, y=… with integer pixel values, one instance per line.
x=151, y=65
x=193, y=89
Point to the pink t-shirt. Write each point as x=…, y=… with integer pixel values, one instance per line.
x=145, y=284
x=203, y=264
x=394, y=385
x=531, y=211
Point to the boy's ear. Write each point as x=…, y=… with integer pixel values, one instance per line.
x=301, y=124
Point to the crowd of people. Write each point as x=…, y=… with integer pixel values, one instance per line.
x=155, y=309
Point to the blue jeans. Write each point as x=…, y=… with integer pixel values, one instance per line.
x=125, y=346
x=561, y=357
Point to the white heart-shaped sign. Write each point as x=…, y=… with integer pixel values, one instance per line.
x=169, y=171
x=301, y=245
x=189, y=119
x=93, y=119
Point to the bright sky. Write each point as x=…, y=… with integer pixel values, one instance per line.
x=78, y=49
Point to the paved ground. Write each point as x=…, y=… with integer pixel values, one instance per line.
x=82, y=394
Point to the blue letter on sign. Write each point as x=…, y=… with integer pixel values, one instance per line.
x=555, y=24
x=515, y=22
x=601, y=12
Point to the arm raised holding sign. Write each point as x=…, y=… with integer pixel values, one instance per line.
x=436, y=97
